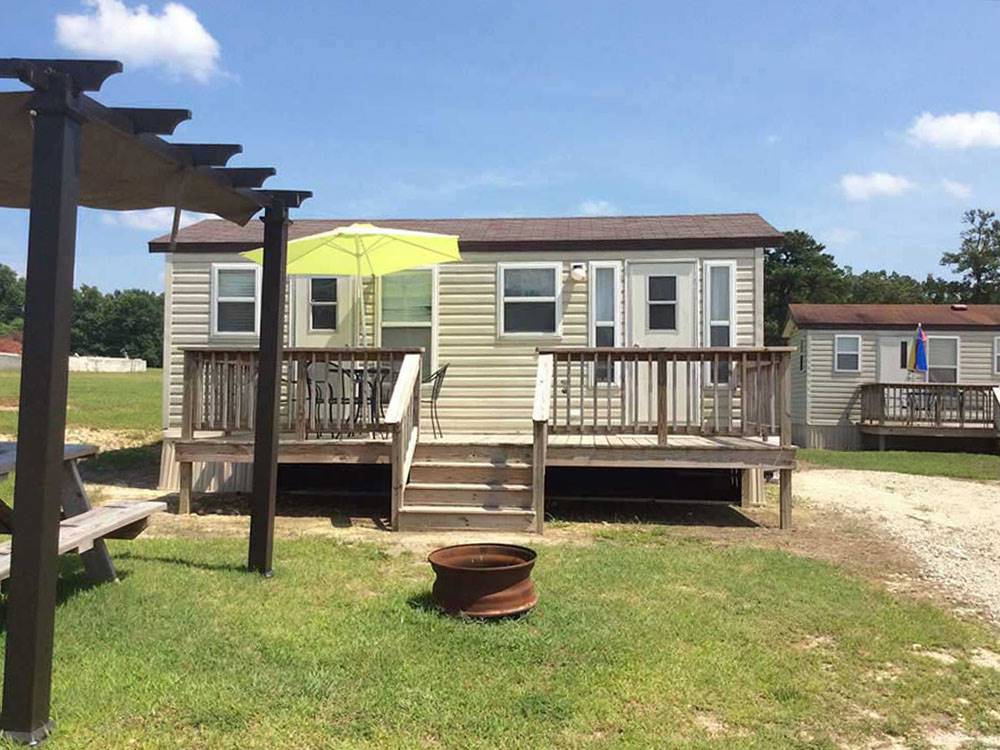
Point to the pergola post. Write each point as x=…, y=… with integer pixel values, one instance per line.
x=265, y=449
x=42, y=416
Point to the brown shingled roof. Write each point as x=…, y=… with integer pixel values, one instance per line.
x=635, y=232
x=895, y=316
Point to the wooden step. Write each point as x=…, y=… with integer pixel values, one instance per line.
x=499, y=453
x=477, y=472
x=483, y=495
x=465, y=518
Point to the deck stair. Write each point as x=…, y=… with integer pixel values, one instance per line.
x=464, y=486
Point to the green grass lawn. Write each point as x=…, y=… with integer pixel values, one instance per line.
x=640, y=640
x=958, y=465
x=101, y=401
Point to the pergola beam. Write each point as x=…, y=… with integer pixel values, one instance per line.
x=84, y=75
x=244, y=177
x=208, y=154
x=155, y=121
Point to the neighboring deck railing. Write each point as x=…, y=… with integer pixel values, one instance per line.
x=712, y=391
x=326, y=393
x=929, y=405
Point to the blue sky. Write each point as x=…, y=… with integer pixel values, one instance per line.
x=809, y=113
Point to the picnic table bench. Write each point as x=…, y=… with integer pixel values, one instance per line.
x=84, y=527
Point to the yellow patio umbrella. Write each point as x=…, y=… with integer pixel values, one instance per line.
x=365, y=250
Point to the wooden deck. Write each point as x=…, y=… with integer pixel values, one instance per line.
x=681, y=451
x=933, y=410
x=715, y=408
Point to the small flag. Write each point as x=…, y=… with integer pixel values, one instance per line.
x=918, y=353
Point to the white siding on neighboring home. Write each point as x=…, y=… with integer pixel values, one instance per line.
x=799, y=398
x=830, y=402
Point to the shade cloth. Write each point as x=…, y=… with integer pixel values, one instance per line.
x=118, y=170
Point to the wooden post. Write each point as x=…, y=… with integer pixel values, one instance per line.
x=538, y=457
x=661, y=400
x=785, y=497
x=265, y=453
x=785, y=475
x=191, y=375
x=42, y=414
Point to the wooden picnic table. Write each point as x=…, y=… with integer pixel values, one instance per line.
x=84, y=527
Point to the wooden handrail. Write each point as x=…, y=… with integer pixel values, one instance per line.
x=540, y=413
x=402, y=392
x=543, y=389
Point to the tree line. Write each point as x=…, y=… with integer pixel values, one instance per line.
x=106, y=324
x=802, y=271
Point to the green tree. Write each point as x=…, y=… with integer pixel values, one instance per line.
x=133, y=325
x=884, y=288
x=799, y=271
x=978, y=258
x=11, y=300
x=88, y=328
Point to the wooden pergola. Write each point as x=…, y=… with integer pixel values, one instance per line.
x=61, y=149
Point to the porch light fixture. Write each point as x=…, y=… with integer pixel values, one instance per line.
x=578, y=272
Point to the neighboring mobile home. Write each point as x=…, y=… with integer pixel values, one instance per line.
x=851, y=384
x=649, y=283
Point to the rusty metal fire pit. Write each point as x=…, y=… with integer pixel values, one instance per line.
x=484, y=580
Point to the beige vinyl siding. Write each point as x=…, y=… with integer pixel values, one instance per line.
x=187, y=319
x=833, y=396
x=490, y=381
x=799, y=399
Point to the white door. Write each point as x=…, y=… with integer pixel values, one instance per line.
x=323, y=311
x=893, y=354
x=662, y=305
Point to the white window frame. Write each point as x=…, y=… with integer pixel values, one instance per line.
x=836, y=347
x=216, y=299
x=502, y=333
x=707, y=281
x=433, y=324
x=662, y=303
x=958, y=354
x=618, y=323
x=310, y=302
x=996, y=355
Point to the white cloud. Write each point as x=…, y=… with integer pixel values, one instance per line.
x=960, y=130
x=150, y=219
x=597, y=207
x=841, y=236
x=862, y=187
x=956, y=189
x=174, y=39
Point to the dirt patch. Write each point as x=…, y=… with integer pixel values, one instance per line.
x=951, y=526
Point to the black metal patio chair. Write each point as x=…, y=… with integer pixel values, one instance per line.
x=436, y=379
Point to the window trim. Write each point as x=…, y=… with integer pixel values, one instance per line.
x=433, y=324
x=618, y=322
x=310, y=303
x=996, y=354
x=502, y=268
x=215, y=299
x=836, y=346
x=707, y=312
x=662, y=303
x=958, y=355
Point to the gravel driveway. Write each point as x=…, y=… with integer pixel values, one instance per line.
x=952, y=525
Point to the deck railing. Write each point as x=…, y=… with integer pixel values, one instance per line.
x=955, y=405
x=403, y=420
x=725, y=391
x=325, y=393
